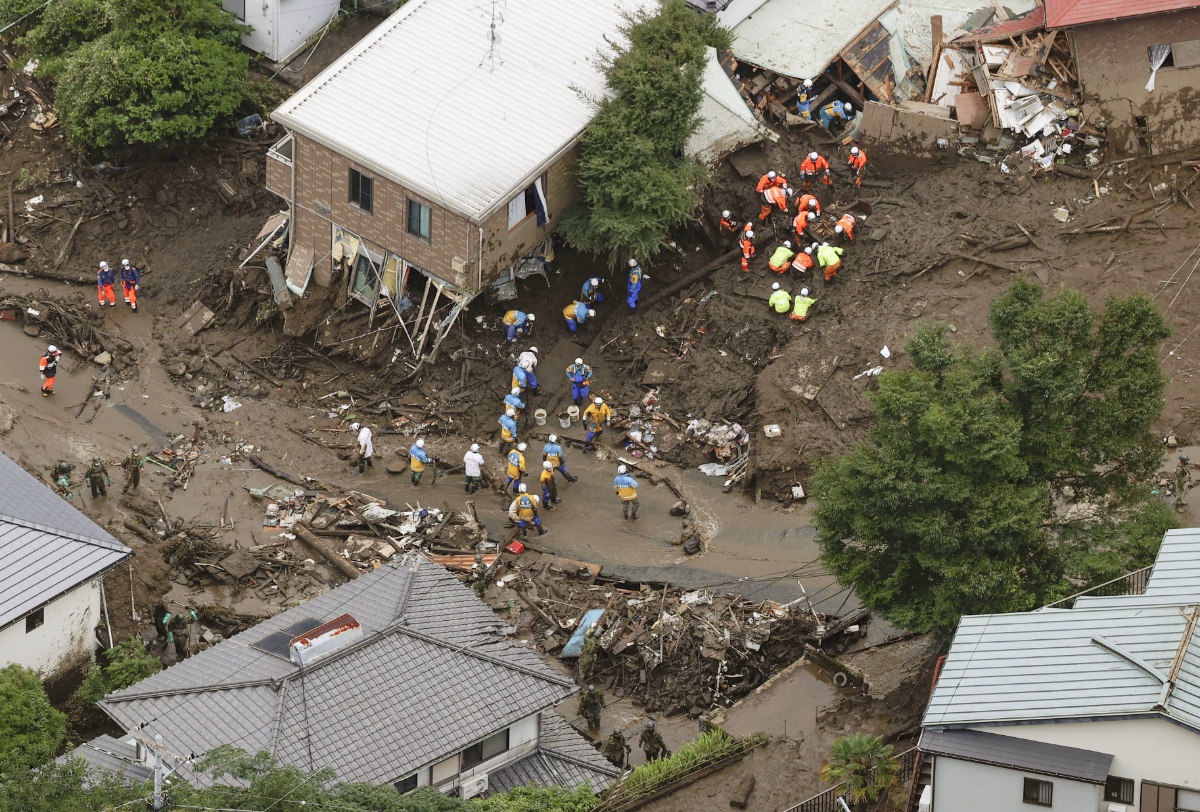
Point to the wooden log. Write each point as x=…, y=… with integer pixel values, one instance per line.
x=1074, y=171
x=344, y=566
x=675, y=287
x=273, y=471
x=740, y=797
x=139, y=530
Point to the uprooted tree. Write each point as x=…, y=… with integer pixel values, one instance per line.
x=957, y=503
x=638, y=182
x=138, y=74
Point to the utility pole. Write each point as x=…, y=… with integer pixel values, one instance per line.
x=158, y=773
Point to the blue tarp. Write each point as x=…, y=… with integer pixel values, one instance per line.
x=574, y=646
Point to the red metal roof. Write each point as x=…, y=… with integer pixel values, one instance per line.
x=1032, y=21
x=1063, y=13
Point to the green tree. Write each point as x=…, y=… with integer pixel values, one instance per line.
x=31, y=730
x=69, y=787
x=638, y=183
x=539, y=799
x=122, y=665
x=865, y=764
x=953, y=505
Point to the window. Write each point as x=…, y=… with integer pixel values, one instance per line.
x=488, y=748
x=1039, y=793
x=406, y=784
x=362, y=188
x=418, y=220
x=1118, y=789
x=531, y=201
x=35, y=619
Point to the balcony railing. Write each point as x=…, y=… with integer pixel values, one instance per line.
x=827, y=800
x=1131, y=583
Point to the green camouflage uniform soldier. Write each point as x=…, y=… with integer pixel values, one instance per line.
x=1183, y=481
x=652, y=742
x=62, y=478
x=587, y=656
x=132, y=466
x=616, y=750
x=97, y=477
x=591, y=703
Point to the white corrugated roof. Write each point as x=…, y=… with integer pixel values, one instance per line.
x=1060, y=663
x=726, y=123
x=797, y=38
x=427, y=100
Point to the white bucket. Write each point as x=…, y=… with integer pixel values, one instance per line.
x=573, y=412
x=564, y=420
x=539, y=416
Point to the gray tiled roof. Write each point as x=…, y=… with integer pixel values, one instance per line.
x=563, y=758
x=431, y=676
x=47, y=547
x=112, y=755
x=1020, y=754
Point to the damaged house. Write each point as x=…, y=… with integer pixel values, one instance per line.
x=401, y=676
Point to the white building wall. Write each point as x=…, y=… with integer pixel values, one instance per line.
x=64, y=640
x=965, y=786
x=297, y=21
x=1151, y=749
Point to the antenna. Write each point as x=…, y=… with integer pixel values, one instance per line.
x=492, y=57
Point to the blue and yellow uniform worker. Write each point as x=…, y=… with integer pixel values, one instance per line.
x=508, y=429
x=590, y=294
x=596, y=419
x=417, y=460
x=626, y=488
x=633, y=286
x=575, y=314
x=580, y=376
x=513, y=401
x=517, y=323
x=835, y=110
x=524, y=512
x=552, y=452
x=514, y=468
x=549, y=486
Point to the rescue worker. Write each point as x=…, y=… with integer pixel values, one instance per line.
x=97, y=477
x=588, y=654
x=781, y=259
x=48, y=366
x=812, y=166
x=580, y=376
x=131, y=278
x=830, y=258
x=61, y=473
x=810, y=220
x=364, y=447
x=591, y=703
x=590, y=293
x=132, y=466
x=808, y=202
x=804, y=100
x=617, y=750
x=528, y=361
x=845, y=225
x=835, y=111
x=575, y=314
x=105, y=278
x=513, y=401
x=747, y=243
x=652, y=742
x=1183, y=481
x=633, y=285
x=803, y=262
x=727, y=226
x=517, y=323
x=552, y=452
x=472, y=469
x=858, y=165
x=626, y=488
x=524, y=512
x=508, y=430
x=418, y=458
x=520, y=377
x=780, y=299
x=596, y=418
x=514, y=467
x=802, y=303
x=772, y=178
x=549, y=486
x=773, y=198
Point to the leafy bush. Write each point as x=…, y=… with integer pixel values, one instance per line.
x=539, y=799
x=126, y=663
x=700, y=752
x=31, y=730
x=865, y=765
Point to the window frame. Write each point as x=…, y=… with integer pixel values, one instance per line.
x=365, y=191
x=407, y=784
x=1034, y=797
x=417, y=206
x=530, y=195
x=35, y=619
x=467, y=757
x=1122, y=784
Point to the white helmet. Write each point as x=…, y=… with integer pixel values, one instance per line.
x=812, y=156
x=533, y=350
x=516, y=390
x=771, y=174
x=103, y=265
x=839, y=230
x=355, y=426
x=553, y=438
x=775, y=286
x=530, y=315
x=510, y=412
x=787, y=243
x=749, y=235
x=521, y=446
x=522, y=488
x=125, y=263
x=548, y=465
x=803, y=291
x=824, y=245
x=812, y=202
x=579, y=360
x=621, y=469
x=853, y=150
x=632, y=262
x=808, y=83
x=808, y=249
x=788, y=191
x=595, y=281
x=475, y=447
x=725, y=213
x=591, y=312
x=849, y=108
x=420, y=442
x=599, y=401
x=52, y=349
x=812, y=215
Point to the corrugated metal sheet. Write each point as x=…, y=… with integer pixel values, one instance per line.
x=798, y=38
x=428, y=100
x=1064, y=13
x=47, y=547
x=726, y=123
x=1019, y=754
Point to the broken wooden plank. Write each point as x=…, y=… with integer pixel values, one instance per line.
x=195, y=318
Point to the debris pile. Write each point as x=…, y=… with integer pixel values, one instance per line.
x=721, y=440
x=68, y=325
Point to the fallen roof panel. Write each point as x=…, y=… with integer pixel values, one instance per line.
x=726, y=123
x=1064, y=13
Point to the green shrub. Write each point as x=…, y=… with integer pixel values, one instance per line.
x=31, y=731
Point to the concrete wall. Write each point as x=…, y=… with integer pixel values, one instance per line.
x=322, y=200
x=959, y=786
x=1143, y=749
x=1114, y=64
x=66, y=640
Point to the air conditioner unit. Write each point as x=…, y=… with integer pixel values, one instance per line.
x=458, y=264
x=926, y=802
x=1118, y=808
x=475, y=785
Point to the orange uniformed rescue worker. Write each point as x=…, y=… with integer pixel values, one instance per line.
x=747, y=243
x=803, y=262
x=858, y=164
x=48, y=366
x=845, y=225
x=727, y=224
x=774, y=197
x=815, y=164
x=808, y=202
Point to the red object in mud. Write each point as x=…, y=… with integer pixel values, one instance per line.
x=516, y=548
